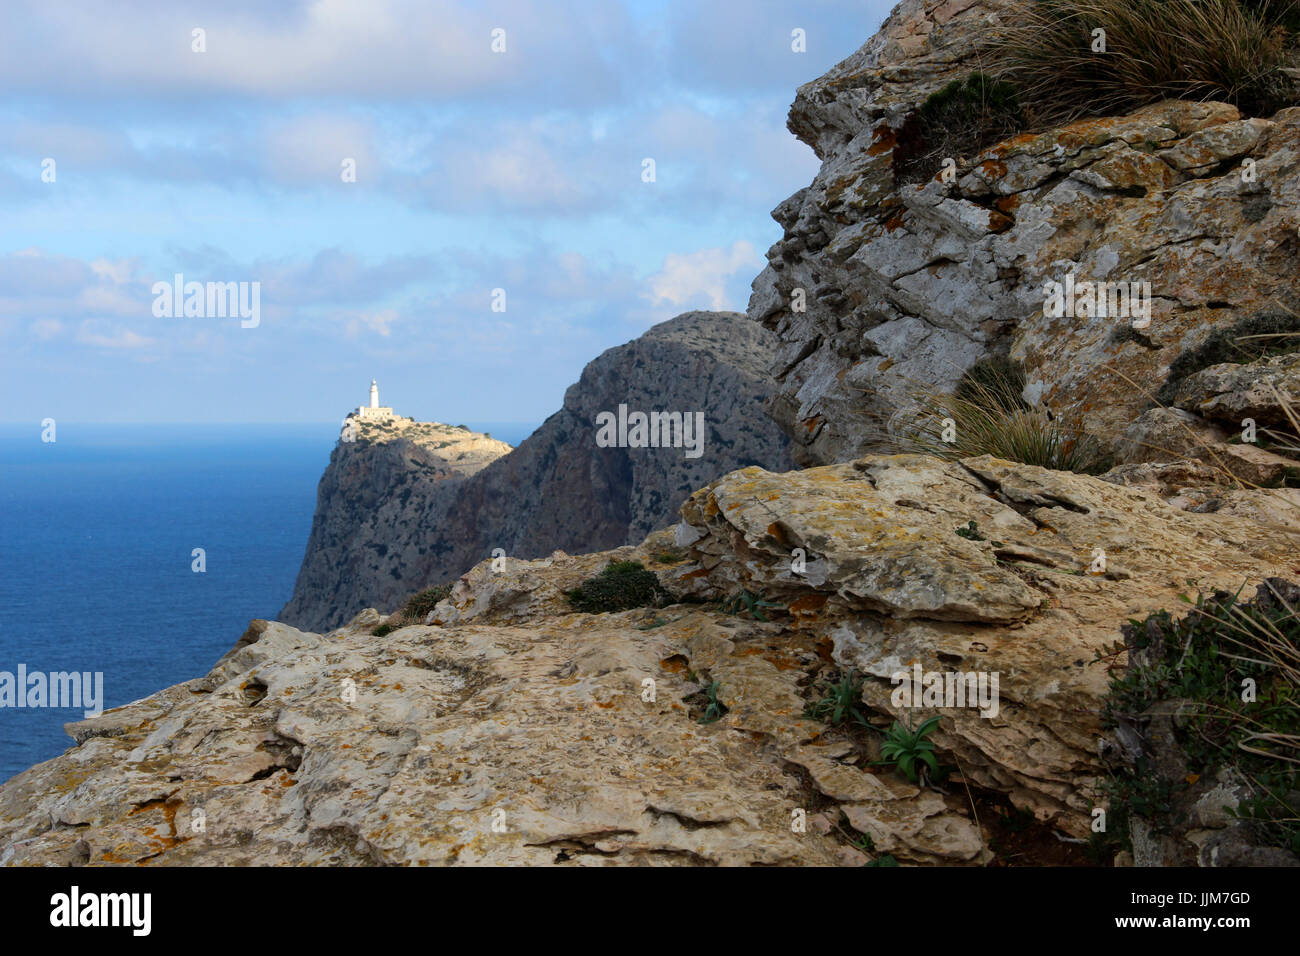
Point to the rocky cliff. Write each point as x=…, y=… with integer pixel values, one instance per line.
x=385, y=527
x=512, y=729
x=893, y=274
x=386, y=479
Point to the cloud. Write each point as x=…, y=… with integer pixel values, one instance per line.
x=376, y=323
x=439, y=49
x=475, y=171
x=46, y=329
x=699, y=279
x=97, y=335
x=310, y=149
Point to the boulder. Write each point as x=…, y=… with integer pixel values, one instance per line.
x=1263, y=390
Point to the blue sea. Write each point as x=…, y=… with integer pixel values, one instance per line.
x=97, y=533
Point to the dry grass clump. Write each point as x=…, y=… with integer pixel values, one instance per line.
x=1225, y=50
x=986, y=416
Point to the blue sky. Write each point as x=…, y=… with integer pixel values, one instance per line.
x=475, y=170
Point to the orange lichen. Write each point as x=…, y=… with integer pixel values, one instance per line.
x=883, y=139
x=993, y=169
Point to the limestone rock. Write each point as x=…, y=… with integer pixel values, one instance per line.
x=1229, y=393
x=382, y=533
x=907, y=285
x=1165, y=478
x=472, y=745
x=517, y=731
x=1171, y=434
x=888, y=578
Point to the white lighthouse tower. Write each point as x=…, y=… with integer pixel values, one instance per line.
x=374, y=410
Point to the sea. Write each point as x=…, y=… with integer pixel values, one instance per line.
x=141, y=552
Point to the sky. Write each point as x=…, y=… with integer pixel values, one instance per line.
x=468, y=225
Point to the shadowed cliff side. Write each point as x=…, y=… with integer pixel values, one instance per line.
x=383, y=530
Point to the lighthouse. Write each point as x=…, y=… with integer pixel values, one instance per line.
x=374, y=410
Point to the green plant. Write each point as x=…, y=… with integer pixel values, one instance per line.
x=621, y=586
x=669, y=556
x=1199, y=664
x=383, y=630
x=971, y=532
x=886, y=859
x=751, y=604
x=419, y=605
x=1154, y=50
x=655, y=622
x=714, y=708
x=904, y=747
x=839, y=702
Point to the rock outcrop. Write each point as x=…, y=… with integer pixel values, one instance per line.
x=513, y=730
x=558, y=489
x=906, y=284
x=1054, y=565
x=385, y=477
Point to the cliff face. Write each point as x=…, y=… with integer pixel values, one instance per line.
x=911, y=280
x=386, y=525
x=395, y=473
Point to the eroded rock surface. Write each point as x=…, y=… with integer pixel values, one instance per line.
x=510, y=729
x=1062, y=561
x=907, y=285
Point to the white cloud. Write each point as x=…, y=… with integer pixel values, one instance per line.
x=46, y=329
x=119, y=338
x=377, y=323
x=310, y=149
x=694, y=278
x=403, y=48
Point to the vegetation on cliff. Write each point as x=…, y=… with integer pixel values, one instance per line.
x=621, y=586
x=1212, y=698
x=985, y=415
x=1108, y=57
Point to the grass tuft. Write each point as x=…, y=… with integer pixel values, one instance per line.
x=1154, y=50
x=956, y=121
x=985, y=416
x=1202, y=664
